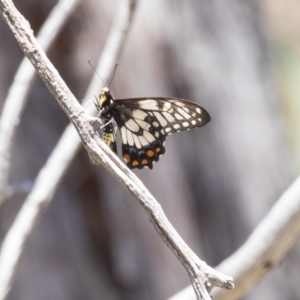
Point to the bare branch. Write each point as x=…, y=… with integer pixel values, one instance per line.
x=60, y=159
x=202, y=276
x=267, y=245
x=264, y=249
x=114, y=44
x=18, y=92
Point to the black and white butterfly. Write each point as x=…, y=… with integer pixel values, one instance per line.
x=144, y=124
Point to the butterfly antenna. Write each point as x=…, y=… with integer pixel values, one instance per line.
x=113, y=74
x=89, y=60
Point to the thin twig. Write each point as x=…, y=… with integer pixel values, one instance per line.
x=18, y=92
x=202, y=276
x=264, y=249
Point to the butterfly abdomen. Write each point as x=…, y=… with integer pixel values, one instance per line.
x=109, y=137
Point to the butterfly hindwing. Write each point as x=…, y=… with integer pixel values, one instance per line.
x=142, y=137
x=145, y=122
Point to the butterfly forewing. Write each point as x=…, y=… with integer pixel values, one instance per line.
x=145, y=122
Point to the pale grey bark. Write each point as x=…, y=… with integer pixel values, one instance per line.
x=203, y=278
x=221, y=179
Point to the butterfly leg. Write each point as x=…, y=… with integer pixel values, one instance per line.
x=93, y=120
x=106, y=124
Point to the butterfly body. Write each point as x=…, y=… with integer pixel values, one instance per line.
x=144, y=124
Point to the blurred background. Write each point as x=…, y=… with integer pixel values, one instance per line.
x=238, y=59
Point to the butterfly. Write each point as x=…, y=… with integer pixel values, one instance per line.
x=144, y=124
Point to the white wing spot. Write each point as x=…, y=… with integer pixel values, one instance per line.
x=143, y=141
x=186, y=115
x=130, y=138
x=148, y=136
x=166, y=106
x=137, y=142
x=168, y=129
x=124, y=135
x=198, y=110
x=178, y=116
x=162, y=131
x=193, y=114
x=156, y=124
x=186, y=109
x=176, y=126
x=131, y=125
x=199, y=119
x=148, y=104
x=139, y=114
x=178, y=103
x=185, y=124
x=194, y=122
x=161, y=119
x=143, y=124
x=169, y=117
x=156, y=134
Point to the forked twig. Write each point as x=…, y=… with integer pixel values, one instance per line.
x=203, y=277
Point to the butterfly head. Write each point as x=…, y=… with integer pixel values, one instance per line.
x=106, y=100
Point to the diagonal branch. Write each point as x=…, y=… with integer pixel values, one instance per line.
x=59, y=161
x=202, y=276
x=264, y=249
x=18, y=92
x=267, y=245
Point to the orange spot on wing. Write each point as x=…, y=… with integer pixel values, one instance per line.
x=126, y=158
x=158, y=149
x=135, y=163
x=144, y=161
x=150, y=153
